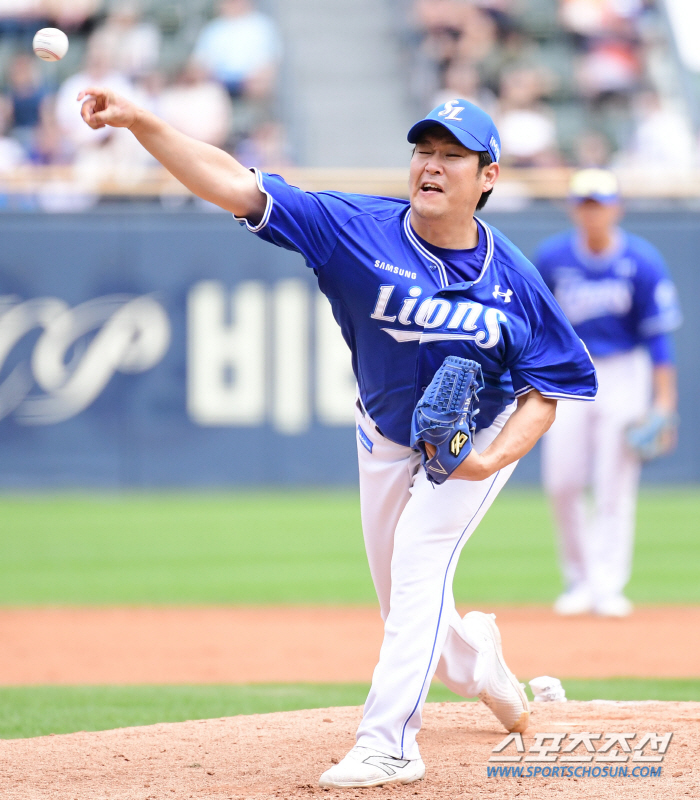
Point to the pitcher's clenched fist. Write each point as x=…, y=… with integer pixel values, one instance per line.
x=103, y=107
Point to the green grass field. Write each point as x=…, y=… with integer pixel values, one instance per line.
x=284, y=547
x=297, y=547
x=37, y=711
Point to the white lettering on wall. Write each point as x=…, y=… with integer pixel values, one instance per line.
x=291, y=409
x=226, y=354
x=77, y=353
x=249, y=357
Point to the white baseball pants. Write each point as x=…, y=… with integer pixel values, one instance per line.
x=586, y=448
x=414, y=533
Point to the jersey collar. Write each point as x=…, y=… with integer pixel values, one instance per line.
x=437, y=263
x=599, y=261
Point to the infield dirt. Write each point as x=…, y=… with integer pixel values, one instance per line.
x=282, y=755
x=317, y=645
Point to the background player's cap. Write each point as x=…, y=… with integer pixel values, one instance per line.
x=594, y=184
x=470, y=125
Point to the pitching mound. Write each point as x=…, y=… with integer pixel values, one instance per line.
x=282, y=756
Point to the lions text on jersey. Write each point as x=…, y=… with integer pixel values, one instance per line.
x=403, y=308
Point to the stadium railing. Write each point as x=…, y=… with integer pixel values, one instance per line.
x=155, y=182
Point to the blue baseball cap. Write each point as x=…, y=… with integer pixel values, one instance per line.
x=471, y=126
x=594, y=184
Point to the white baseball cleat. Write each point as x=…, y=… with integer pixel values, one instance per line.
x=616, y=605
x=502, y=693
x=363, y=766
x=573, y=602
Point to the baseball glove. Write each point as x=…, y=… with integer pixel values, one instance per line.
x=654, y=436
x=444, y=417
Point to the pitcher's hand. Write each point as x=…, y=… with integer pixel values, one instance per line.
x=103, y=107
x=473, y=468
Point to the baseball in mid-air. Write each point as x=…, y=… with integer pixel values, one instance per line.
x=50, y=44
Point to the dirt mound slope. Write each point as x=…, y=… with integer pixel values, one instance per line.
x=282, y=755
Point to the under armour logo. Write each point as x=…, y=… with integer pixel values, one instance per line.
x=498, y=293
x=451, y=110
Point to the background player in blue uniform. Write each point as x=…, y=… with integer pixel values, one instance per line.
x=616, y=291
x=409, y=283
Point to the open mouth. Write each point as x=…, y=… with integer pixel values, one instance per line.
x=430, y=187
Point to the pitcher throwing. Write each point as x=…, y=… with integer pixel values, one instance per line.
x=412, y=282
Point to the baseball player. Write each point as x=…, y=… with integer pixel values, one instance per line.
x=616, y=291
x=411, y=283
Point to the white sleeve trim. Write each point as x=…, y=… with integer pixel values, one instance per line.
x=551, y=395
x=662, y=323
x=268, y=207
x=563, y=396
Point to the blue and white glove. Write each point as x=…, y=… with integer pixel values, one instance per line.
x=444, y=417
x=654, y=436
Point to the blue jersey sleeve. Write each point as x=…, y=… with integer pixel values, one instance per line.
x=553, y=358
x=310, y=222
x=656, y=299
x=306, y=222
x=661, y=349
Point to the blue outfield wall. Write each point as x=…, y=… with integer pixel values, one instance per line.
x=155, y=349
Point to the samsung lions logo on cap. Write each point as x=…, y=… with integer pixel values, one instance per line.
x=451, y=110
x=493, y=144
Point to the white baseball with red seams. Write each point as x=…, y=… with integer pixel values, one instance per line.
x=50, y=44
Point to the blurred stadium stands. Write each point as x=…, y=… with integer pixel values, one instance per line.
x=324, y=92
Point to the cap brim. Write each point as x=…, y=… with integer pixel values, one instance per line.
x=603, y=199
x=469, y=141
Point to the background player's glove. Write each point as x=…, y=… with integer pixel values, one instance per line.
x=444, y=417
x=653, y=436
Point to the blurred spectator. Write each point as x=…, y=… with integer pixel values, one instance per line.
x=134, y=42
x=599, y=17
x=592, y=150
x=11, y=152
x=98, y=70
x=453, y=31
x=441, y=22
x=456, y=34
x=611, y=57
x=20, y=19
x=592, y=66
x=609, y=67
x=528, y=132
x=197, y=106
x=462, y=80
x=265, y=148
x=48, y=146
x=514, y=50
x=662, y=135
x=26, y=91
x=478, y=35
x=72, y=15
x=240, y=48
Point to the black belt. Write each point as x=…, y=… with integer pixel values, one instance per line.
x=363, y=411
